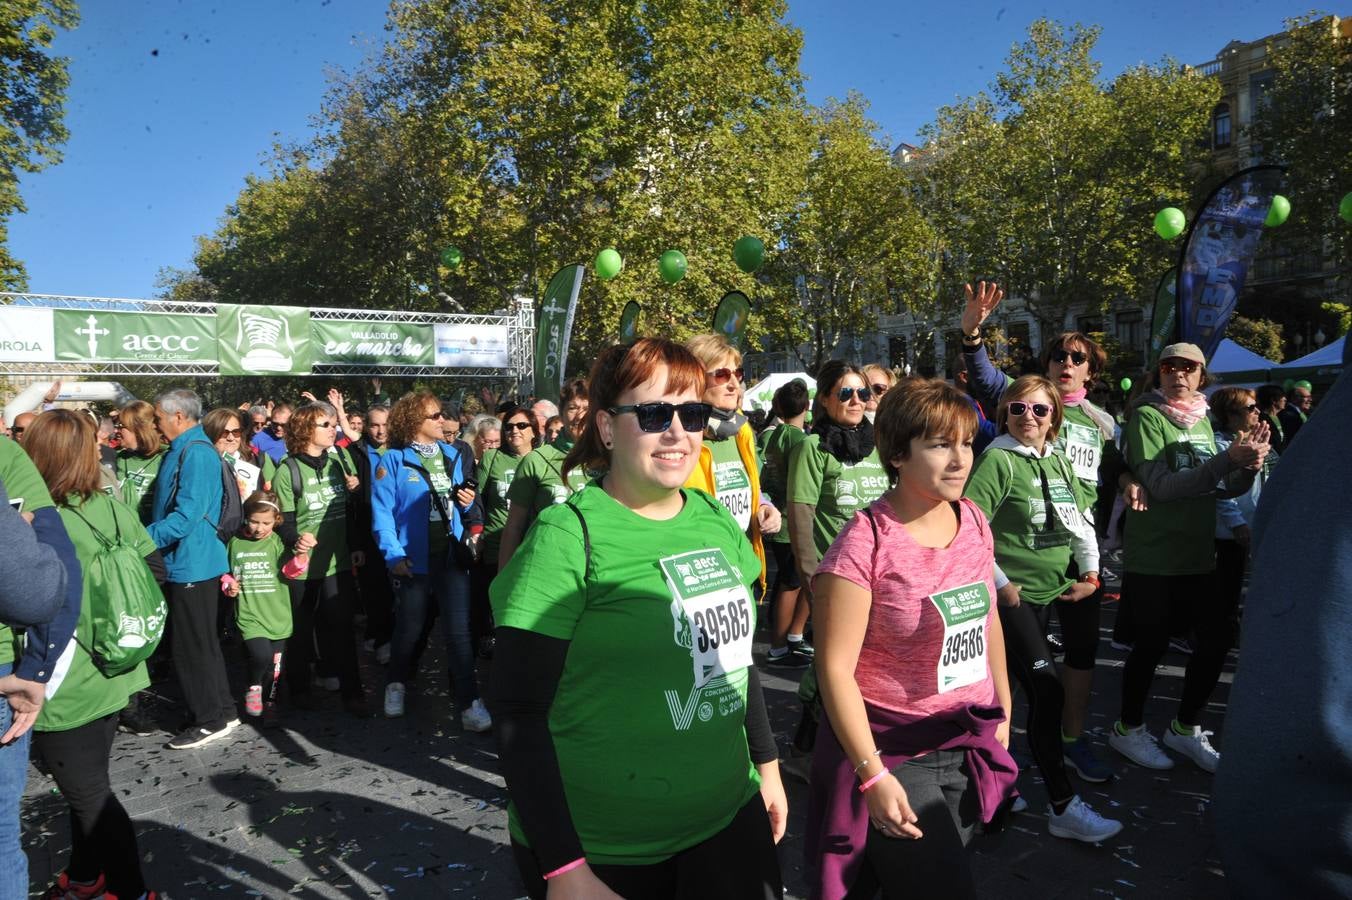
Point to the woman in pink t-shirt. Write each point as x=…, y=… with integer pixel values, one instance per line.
x=911, y=661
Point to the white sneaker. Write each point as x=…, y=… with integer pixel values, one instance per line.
x=1019, y=804
x=369, y=645
x=1138, y=746
x=1194, y=746
x=1081, y=823
x=383, y=654
x=476, y=718
x=394, y=700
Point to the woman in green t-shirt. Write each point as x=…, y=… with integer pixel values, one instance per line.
x=632, y=729
x=789, y=608
x=139, y=457
x=1026, y=488
x=312, y=484
x=1171, y=552
x=75, y=730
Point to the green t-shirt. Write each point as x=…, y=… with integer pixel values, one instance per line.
x=538, y=483
x=732, y=482
x=264, y=606
x=29, y=493
x=835, y=489
x=1028, y=521
x=496, y=471
x=438, y=537
x=136, y=474
x=649, y=718
x=1082, y=442
x=269, y=469
x=322, y=510
x=776, y=448
x=1175, y=537
x=86, y=694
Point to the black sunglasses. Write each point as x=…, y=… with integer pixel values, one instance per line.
x=436, y=415
x=879, y=389
x=1061, y=355
x=864, y=394
x=516, y=426
x=655, y=418
x=1187, y=366
x=720, y=376
x=1019, y=407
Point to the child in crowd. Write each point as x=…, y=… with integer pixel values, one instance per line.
x=264, y=611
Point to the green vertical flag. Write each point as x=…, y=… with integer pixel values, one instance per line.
x=731, y=317
x=629, y=322
x=264, y=340
x=1164, y=317
x=553, y=328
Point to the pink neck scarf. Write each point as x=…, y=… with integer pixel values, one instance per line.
x=1184, y=413
x=1075, y=398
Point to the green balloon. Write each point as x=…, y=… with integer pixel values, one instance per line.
x=608, y=263
x=451, y=257
x=748, y=253
x=1345, y=208
x=1125, y=384
x=1288, y=384
x=671, y=266
x=1169, y=222
x=1278, y=211
x=1304, y=385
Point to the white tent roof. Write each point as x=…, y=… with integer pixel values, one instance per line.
x=1230, y=357
x=1328, y=355
x=760, y=394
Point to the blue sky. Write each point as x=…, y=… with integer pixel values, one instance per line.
x=173, y=102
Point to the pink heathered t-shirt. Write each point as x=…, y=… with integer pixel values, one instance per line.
x=899, y=665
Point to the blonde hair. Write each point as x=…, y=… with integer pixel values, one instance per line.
x=711, y=349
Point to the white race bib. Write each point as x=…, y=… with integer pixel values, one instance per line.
x=962, y=656
x=733, y=490
x=711, y=611
x=1082, y=447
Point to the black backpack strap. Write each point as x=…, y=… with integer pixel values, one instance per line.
x=586, y=540
x=297, y=481
x=436, y=498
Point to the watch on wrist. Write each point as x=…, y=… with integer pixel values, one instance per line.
x=1091, y=578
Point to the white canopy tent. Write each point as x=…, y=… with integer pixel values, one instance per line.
x=1328, y=356
x=760, y=394
x=1237, y=366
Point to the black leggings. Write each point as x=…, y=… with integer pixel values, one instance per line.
x=1030, y=664
x=944, y=798
x=322, y=616
x=102, y=838
x=265, y=657
x=1162, y=604
x=738, y=863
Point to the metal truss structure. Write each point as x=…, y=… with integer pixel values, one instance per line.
x=520, y=323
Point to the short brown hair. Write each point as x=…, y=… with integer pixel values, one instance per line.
x=619, y=368
x=1026, y=386
x=1229, y=401
x=407, y=417
x=1097, y=358
x=64, y=447
x=138, y=417
x=919, y=408
x=573, y=389
x=300, y=428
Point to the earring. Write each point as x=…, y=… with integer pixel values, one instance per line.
x=608, y=445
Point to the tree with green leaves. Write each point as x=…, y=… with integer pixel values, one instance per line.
x=1049, y=182
x=1262, y=336
x=33, y=86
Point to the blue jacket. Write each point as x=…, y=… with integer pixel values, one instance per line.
x=263, y=442
x=187, y=509
x=401, y=504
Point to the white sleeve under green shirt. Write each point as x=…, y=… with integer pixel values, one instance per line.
x=650, y=711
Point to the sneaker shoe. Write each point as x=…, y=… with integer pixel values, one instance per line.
x=1019, y=804
x=231, y=724
x=476, y=718
x=394, y=700
x=802, y=648
x=1181, y=645
x=1194, y=746
x=383, y=655
x=1137, y=745
x=788, y=660
x=253, y=701
x=1081, y=759
x=1120, y=646
x=198, y=735
x=1054, y=642
x=65, y=889
x=1080, y=823
x=369, y=645
x=136, y=722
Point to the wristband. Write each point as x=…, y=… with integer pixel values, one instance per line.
x=566, y=867
x=872, y=781
x=1091, y=579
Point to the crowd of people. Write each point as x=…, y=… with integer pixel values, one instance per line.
x=611, y=552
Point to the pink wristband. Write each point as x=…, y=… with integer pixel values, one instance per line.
x=568, y=867
x=872, y=781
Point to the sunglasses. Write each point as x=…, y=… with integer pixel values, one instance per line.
x=1252, y=407
x=1019, y=407
x=16, y=431
x=864, y=394
x=879, y=389
x=1186, y=366
x=436, y=415
x=654, y=418
x=230, y=432
x=721, y=376
x=1075, y=356
x=516, y=426
x=326, y=424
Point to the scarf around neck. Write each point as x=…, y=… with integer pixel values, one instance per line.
x=848, y=445
x=1184, y=413
x=426, y=451
x=725, y=423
